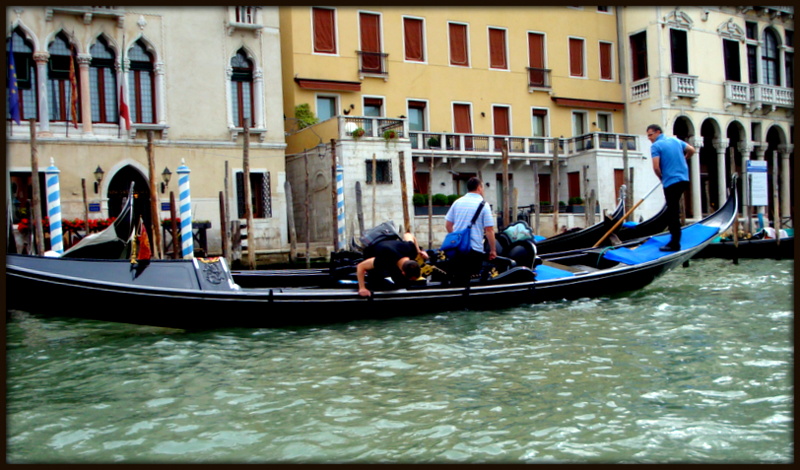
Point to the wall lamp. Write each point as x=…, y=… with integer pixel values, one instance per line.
x=165, y=175
x=98, y=176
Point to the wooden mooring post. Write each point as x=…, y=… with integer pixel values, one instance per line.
x=36, y=205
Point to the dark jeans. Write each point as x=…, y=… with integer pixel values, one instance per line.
x=464, y=266
x=673, y=195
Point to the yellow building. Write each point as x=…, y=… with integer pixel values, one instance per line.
x=454, y=83
x=189, y=76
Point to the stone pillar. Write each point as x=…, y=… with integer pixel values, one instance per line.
x=258, y=100
x=694, y=176
x=759, y=151
x=785, y=176
x=86, y=102
x=41, y=59
x=161, y=106
x=721, y=147
x=745, y=148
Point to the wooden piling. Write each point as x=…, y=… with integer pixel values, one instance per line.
x=334, y=198
x=287, y=188
x=554, y=185
x=248, y=204
x=176, y=246
x=36, y=205
x=154, y=218
x=506, y=193
x=403, y=194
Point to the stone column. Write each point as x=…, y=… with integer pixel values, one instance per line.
x=759, y=151
x=694, y=176
x=785, y=176
x=745, y=148
x=86, y=102
x=161, y=106
x=721, y=147
x=41, y=59
x=258, y=100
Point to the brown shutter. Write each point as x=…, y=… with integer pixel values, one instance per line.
x=458, y=44
x=575, y=57
x=370, y=42
x=497, y=48
x=605, y=61
x=536, y=50
x=501, y=121
x=413, y=39
x=324, y=38
x=463, y=123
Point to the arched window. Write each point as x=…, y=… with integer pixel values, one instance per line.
x=769, y=59
x=103, y=83
x=142, y=84
x=242, y=89
x=26, y=75
x=61, y=67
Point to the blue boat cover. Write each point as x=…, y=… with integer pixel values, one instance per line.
x=691, y=236
x=548, y=272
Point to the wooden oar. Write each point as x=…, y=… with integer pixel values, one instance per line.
x=622, y=219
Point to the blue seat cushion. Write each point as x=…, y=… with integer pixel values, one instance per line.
x=691, y=236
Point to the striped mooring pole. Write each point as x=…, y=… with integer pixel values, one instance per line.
x=54, y=208
x=340, y=203
x=187, y=247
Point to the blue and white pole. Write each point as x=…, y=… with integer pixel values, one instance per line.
x=54, y=208
x=187, y=247
x=340, y=203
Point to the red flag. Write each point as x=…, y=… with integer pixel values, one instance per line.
x=124, y=112
x=73, y=100
x=144, y=245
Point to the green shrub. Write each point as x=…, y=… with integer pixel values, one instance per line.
x=452, y=198
x=304, y=116
x=440, y=199
x=420, y=199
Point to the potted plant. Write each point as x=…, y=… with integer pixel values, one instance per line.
x=452, y=198
x=390, y=134
x=358, y=133
x=305, y=117
x=546, y=207
x=576, y=205
x=433, y=143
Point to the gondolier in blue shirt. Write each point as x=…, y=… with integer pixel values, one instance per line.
x=458, y=217
x=669, y=163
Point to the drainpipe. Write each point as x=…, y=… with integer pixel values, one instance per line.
x=623, y=73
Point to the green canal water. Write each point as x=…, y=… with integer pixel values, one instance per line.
x=697, y=367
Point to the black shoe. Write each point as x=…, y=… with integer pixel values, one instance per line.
x=670, y=248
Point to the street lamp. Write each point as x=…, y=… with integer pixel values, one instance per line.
x=165, y=175
x=98, y=176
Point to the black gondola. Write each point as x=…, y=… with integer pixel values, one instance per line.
x=201, y=293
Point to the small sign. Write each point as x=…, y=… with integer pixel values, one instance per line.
x=757, y=177
x=94, y=207
x=164, y=206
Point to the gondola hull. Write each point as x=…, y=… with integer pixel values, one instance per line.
x=750, y=249
x=201, y=293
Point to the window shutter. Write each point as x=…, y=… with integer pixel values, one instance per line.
x=576, y=57
x=536, y=50
x=501, y=121
x=463, y=124
x=605, y=61
x=413, y=39
x=458, y=44
x=324, y=39
x=497, y=48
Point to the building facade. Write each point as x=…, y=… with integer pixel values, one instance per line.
x=455, y=84
x=190, y=77
x=720, y=78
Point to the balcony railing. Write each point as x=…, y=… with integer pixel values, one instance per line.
x=538, y=78
x=683, y=86
x=490, y=145
x=372, y=63
x=459, y=144
x=640, y=89
x=756, y=96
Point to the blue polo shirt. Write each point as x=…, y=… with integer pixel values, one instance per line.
x=672, y=159
x=461, y=213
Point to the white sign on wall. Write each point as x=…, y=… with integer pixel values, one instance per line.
x=757, y=174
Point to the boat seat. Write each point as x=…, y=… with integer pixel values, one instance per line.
x=575, y=269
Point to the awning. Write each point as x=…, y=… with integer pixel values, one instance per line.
x=591, y=104
x=327, y=85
